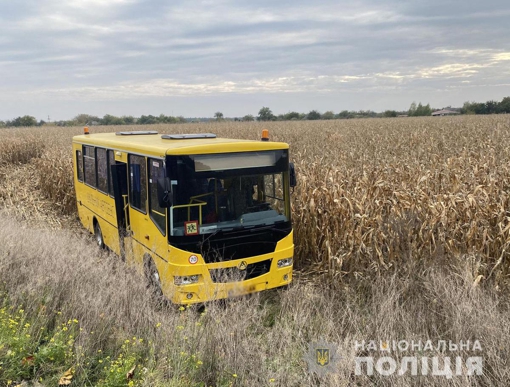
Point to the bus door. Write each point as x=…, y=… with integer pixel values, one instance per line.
x=138, y=230
x=120, y=192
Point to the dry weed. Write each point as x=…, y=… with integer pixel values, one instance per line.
x=253, y=341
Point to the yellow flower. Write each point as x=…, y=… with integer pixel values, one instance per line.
x=158, y=325
x=271, y=380
x=234, y=375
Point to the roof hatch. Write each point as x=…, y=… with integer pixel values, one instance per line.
x=192, y=136
x=136, y=132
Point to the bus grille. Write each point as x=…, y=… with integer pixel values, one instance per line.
x=234, y=274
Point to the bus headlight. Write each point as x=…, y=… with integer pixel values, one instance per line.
x=186, y=280
x=284, y=262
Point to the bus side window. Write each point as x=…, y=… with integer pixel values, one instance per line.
x=137, y=182
x=79, y=165
x=157, y=171
x=111, y=161
x=89, y=165
x=102, y=170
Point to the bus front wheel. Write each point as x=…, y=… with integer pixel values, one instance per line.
x=152, y=277
x=99, y=235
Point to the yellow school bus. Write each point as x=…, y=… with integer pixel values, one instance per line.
x=201, y=217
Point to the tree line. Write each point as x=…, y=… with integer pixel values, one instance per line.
x=265, y=114
x=87, y=119
x=489, y=107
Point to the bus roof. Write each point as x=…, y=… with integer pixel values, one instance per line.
x=153, y=144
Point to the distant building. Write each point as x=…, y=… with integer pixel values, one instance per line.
x=445, y=112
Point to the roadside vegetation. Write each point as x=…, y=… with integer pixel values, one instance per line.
x=265, y=114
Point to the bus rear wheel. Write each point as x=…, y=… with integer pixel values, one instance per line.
x=99, y=236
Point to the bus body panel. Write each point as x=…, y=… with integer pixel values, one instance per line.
x=206, y=289
x=95, y=206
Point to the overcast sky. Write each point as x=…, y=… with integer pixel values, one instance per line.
x=193, y=58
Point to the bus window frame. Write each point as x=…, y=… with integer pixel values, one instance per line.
x=149, y=195
x=109, y=166
x=85, y=169
x=97, y=171
x=130, y=155
x=79, y=162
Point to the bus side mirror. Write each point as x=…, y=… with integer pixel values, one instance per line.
x=292, y=175
x=164, y=192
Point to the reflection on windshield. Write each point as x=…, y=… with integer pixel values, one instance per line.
x=204, y=206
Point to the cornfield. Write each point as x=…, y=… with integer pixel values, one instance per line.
x=406, y=220
x=371, y=193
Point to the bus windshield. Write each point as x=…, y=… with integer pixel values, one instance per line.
x=228, y=191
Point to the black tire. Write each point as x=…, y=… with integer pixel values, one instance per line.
x=152, y=278
x=99, y=236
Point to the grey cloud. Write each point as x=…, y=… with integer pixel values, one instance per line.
x=140, y=50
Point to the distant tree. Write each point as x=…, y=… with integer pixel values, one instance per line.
x=128, y=120
x=41, y=123
x=265, y=114
x=329, y=115
x=2, y=124
x=147, y=120
x=420, y=110
x=412, y=109
x=480, y=108
x=248, y=118
x=468, y=108
x=181, y=120
x=218, y=116
x=423, y=110
x=491, y=107
x=366, y=114
x=162, y=119
x=85, y=119
x=22, y=121
x=504, y=105
x=28, y=121
x=345, y=114
x=108, y=119
x=313, y=115
x=292, y=116
x=390, y=113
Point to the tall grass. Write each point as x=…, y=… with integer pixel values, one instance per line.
x=67, y=287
